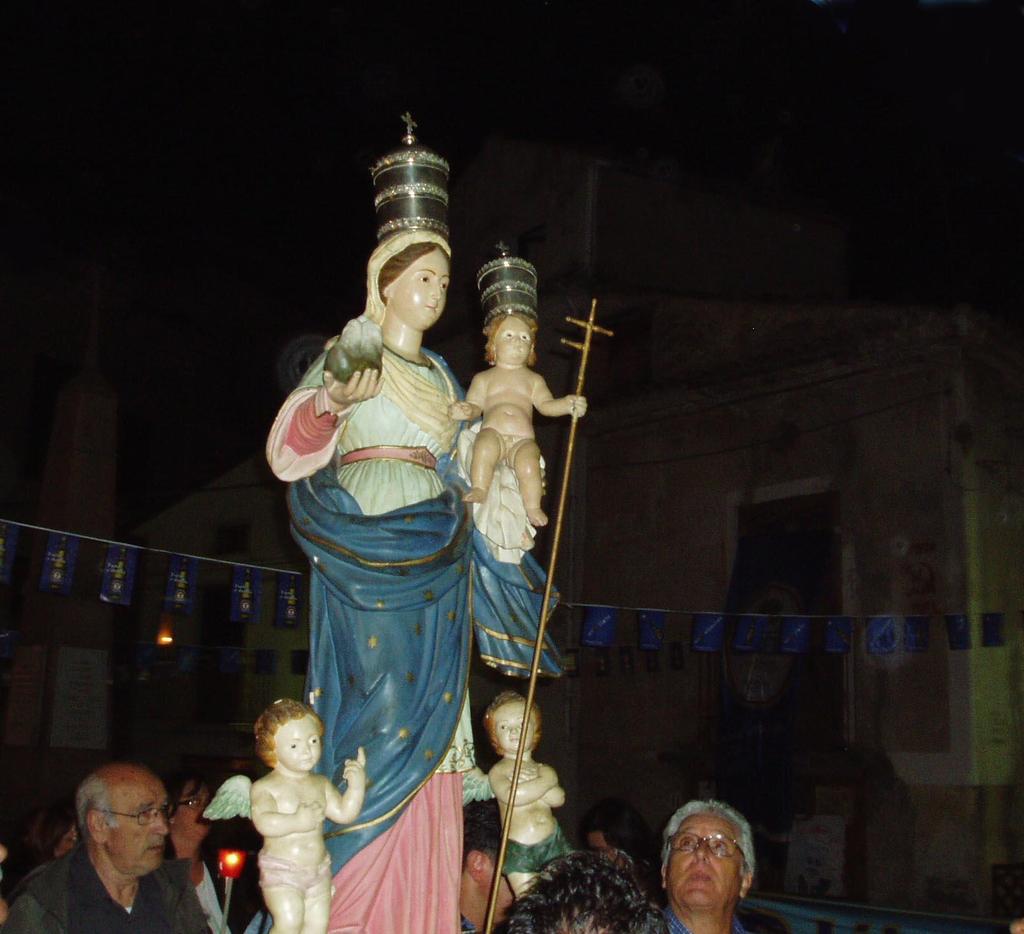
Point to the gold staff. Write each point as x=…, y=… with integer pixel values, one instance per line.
x=589, y=327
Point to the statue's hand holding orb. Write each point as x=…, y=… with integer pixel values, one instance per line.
x=358, y=388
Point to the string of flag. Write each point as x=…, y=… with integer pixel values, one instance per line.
x=120, y=567
x=790, y=634
x=709, y=631
x=148, y=657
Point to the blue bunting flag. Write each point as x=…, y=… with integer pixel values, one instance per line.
x=958, y=631
x=180, y=594
x=652, y=629
x=188, y=659
x=916, y=633
x=59, y=563
x=838, y=634
x=749, y=633
x=289, y=601
x=246, y=591
x=229, y=660
x=266, y=661
x=708, y=632
x=880, y=635
x=145, y=656
x=8, y=548
x=8, y=640
x=599, y=626
x=992, y=630
x=795, y=635
x=118, y=581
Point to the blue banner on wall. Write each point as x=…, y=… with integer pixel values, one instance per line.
x=776, y=574
x=809, y=916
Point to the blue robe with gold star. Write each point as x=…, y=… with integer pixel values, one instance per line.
x=391, y=599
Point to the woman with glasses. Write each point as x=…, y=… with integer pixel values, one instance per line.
x=188, y=795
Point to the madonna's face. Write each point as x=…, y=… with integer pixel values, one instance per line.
x=416, y=298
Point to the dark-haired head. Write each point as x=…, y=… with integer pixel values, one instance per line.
x=481, y=828
x=50, y=832
x=584, y=893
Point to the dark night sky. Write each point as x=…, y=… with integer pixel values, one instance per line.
x=236, y=135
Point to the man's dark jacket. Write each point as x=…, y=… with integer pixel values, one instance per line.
x=42, y=905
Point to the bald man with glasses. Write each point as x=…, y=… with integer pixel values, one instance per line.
x=116, y=878
x=707, y=866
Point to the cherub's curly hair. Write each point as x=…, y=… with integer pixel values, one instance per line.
x=508, y=697
x=492, y=329
x=273, y=718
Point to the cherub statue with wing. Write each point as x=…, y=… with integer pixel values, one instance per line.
x=288, y=807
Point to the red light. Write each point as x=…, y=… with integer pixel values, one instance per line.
x=230, y=863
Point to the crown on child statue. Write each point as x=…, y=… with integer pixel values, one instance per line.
x=508, y=285
x=410, y=187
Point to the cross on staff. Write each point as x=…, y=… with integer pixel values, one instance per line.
x=589, y=329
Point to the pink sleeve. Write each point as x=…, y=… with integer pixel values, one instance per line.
x=304, y=434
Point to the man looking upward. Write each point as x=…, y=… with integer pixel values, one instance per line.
x=707, y=866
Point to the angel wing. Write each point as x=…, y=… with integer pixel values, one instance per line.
x=231, y=800
x=475, y=786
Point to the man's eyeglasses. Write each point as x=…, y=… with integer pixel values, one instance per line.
x=146, y=816
x=719, y=845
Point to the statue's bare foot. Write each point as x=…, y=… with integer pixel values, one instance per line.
x=537, y=516
x=475, y=495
